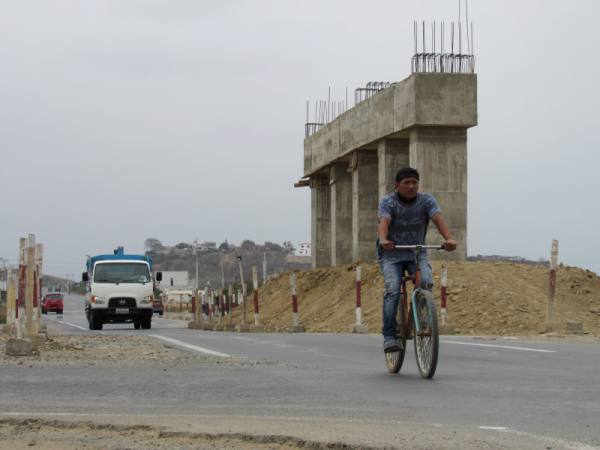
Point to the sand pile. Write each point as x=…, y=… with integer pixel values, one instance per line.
x=500, y=298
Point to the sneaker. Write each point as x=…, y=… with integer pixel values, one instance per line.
x=392, y=345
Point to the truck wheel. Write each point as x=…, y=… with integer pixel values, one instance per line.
x=44, y=311
x=160, y=313
x=137, y=325
x=59, y=311
x=95, y=321
x=147, y=323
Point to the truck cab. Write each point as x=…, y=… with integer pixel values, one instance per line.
x=119, y=289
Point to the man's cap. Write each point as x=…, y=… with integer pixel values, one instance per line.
x=406, y=172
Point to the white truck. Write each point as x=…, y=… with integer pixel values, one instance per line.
x=119, y=289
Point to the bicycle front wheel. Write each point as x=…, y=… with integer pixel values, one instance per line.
x=427, y=340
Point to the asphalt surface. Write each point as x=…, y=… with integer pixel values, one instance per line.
x=548, y=390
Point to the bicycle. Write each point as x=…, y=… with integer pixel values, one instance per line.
x=417, y=321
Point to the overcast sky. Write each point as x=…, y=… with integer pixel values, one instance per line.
x=180, y=119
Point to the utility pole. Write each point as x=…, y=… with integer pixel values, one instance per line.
x=222, y=272
x=264, y=268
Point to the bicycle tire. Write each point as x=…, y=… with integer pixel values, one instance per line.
x=426, y=343
x=394, y=360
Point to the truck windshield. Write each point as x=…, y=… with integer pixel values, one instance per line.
x=121, y=273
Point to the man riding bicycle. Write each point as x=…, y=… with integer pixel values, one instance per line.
x=403, y=219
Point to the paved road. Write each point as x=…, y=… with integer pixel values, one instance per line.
x=548, y=389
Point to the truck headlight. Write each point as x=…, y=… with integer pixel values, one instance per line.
x=98, y=300
x=146, y=300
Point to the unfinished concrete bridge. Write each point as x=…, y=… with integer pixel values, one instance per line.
x=351, y=162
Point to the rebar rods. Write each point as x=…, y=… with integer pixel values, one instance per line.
x=325, y=111
x=432, y=60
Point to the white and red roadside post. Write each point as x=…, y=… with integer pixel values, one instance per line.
x=255, y=286
x=39, y=259
x=229, y=307
x=31, y=310
x=197, y=306
x=552, y=280
x=296, y=327
x=20, y=305
x=444, y=294
x=359, y=327
x=257, y=326
x=11, y=298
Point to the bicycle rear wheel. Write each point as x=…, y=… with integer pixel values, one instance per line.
x=394, y=360
x=427, y=341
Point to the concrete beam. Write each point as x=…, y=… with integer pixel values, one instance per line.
x=320, y=221
x=422, y=99
x=340, y=181
x=365, y=200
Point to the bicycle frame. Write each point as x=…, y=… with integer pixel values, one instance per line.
x=412, y=311
x=417, y=286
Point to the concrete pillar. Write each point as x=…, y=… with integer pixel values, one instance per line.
x=392, y=155
x=320, y=221
x=365, y=201
x=340, y=181
x=440, y=156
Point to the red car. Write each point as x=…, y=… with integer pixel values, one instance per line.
x=52, y=302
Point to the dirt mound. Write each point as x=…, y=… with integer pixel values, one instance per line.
x=499, y=298
x=98, y=350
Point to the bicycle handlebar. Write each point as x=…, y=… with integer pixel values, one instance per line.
x=420, y=247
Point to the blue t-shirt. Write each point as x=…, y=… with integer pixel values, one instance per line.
x=408, y=224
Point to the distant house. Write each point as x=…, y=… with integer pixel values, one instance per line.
x=303, y=250
x=206, y=246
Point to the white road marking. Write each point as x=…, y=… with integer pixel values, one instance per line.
x=73, y=325
x=190, y=346
x=508, y=347
x=493, y=428
x=66, y=323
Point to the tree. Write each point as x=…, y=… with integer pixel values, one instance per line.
x=272, y=247
x=152, y=244
x=224, y=247
x=183, y=246
x=288, y=247
x=248, y=245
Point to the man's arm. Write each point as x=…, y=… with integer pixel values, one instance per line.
x=382, y=230
x=442, y=226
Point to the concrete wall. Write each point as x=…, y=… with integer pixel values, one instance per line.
x=421, y=121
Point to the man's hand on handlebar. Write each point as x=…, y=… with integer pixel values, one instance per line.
x=386, y=245
x=449, y=245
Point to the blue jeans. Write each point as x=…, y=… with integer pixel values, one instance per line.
x=393, y=270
